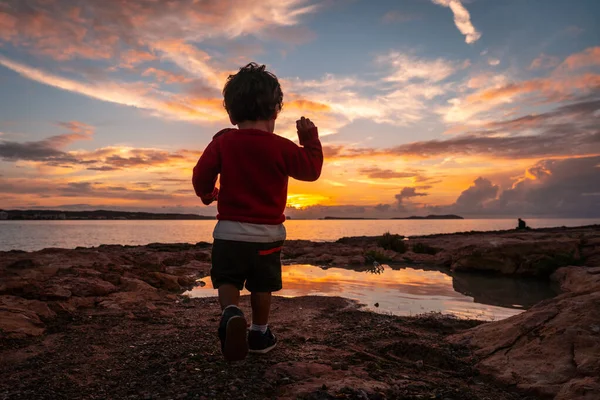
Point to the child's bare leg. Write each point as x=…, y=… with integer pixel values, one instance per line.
x=261, y=306
x=260, y=339
x=228, y=295
x=232, y=328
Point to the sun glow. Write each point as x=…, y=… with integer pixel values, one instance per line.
x=300, y=201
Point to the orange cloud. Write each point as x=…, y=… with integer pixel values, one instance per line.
x=554, y=88
x=60, y=38
x=8, y=27
x=544, y=61
x=137, y=95
x=125, y=32
x=307, y=105
x=166, y=76
x=133, y=57
x=587, y=58
x=212, y=103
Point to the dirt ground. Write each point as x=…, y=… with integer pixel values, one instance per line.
x=328, y=350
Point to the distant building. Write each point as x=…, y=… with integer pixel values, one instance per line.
x=3, y=215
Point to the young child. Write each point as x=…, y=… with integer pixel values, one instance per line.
x=254, y=164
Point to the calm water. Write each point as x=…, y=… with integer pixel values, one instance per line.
x=36, y=235
x=409, y=291
x=401, y=291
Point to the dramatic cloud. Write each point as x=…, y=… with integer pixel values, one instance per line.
x=137, y=95
x=51, y=152
x=568, y=187
x=550, y=188
x=492, y=102
x=408, y=193
x=477, y=195
x=409, y=117
x=462, y=19
x=45, y=189
x=123, y=36
x=49, y=149
x=162, y=36
x=65, y=29
x=569, y=130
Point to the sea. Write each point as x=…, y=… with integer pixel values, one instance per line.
x=393, y=289
x=36, y=235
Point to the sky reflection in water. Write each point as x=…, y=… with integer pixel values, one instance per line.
x=409, y=291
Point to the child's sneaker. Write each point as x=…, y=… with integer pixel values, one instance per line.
x=232, y=332
x=261, y=343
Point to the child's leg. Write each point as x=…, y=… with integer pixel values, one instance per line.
x=263, y=279
x=228, y=273
x=229, y=295
x=261, y=306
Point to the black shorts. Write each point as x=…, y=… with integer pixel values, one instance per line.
x=257, y=265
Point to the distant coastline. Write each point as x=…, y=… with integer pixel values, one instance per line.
x=59, y=215
x=451, y=216
x=21, y=215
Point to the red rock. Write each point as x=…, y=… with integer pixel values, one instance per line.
x=577, y=279
x=18, y=325
x=54, y=292
x=19, y=304
x=544, y=348
x=130, y=301
x=135, y=285
x=586, y=388
x=323, y=259
x=84, y=286
x=194, y=267
x=516, y=257
x=186, y=280
x=20, y=317
x=164, y=281
x=204, y=256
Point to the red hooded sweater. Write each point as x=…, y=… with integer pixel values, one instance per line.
x=254, y=167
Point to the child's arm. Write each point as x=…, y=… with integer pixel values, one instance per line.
x=305, y=163
x=205, y=174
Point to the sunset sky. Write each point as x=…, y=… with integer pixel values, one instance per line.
x=484, y=108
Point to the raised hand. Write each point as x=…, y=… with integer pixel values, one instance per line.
x=304, y=125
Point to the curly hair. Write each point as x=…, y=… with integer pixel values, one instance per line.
x=253, y=94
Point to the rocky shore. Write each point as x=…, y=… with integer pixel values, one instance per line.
x=110, y=322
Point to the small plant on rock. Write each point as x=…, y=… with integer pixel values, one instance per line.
x=374, y=255
x=392, y=242
x=423, y=248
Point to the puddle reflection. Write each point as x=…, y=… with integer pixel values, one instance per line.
x=409, y=291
